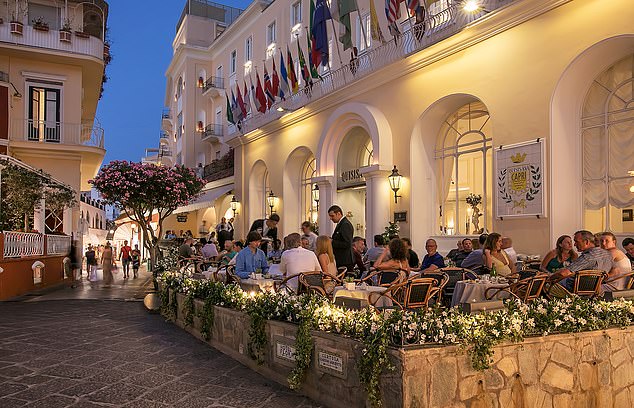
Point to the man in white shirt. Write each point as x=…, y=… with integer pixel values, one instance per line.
x=507, y=246
x=296, y=260
x=208, y=249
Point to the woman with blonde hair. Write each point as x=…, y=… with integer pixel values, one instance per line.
x=494, y=255
x=326, y=259
x=107, y=260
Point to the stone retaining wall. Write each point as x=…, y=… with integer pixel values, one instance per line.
x=592, y=369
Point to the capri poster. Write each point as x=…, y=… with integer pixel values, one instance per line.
x=519, y=179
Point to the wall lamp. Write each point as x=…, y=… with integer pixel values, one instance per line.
x=270, y=200
x=316, y=195
x=395, y=182
x=234, y=205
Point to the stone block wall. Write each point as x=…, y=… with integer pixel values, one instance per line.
x=591, y=369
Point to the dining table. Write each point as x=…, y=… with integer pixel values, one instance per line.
x=369, y=293
x=258, y=285
x=471, y=291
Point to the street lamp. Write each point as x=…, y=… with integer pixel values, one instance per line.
x=316, y=196
x=234, y=205
x=395, y=182
x=270, y=200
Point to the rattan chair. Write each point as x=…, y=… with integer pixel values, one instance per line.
x=442, y=279
x=587, y=283
x=313, y=283
x=628, y=277
x=384, y=278
x=420, y=291
x=455, y=275
x=231, y=276
x=525, y=290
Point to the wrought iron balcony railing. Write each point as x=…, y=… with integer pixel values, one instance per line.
x=435, y=27
x=44, y=131
x=220, y=168
x=212, y=130
x=214, y=82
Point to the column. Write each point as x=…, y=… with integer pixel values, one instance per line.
x=67, y=222
x=39, y=218
x=326, y=195
x=379, y=197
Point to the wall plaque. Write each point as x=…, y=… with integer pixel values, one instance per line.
x=284, y=350
x=332, y=362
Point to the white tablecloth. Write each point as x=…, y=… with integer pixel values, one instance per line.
x=469, y=292
x=369, y=293
x=274, y=270
x=257, y=285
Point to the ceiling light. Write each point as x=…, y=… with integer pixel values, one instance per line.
x=471, y=6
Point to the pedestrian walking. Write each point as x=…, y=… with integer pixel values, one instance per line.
x=91, y=263
x=107, y=260
x=135, y=256
x=124, y=257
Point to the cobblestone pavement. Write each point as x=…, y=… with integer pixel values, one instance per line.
x=100, y=353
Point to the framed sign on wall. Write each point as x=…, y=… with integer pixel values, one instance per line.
x=519, y=180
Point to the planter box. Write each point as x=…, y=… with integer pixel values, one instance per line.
x=81, y=34
x=564, y=370
x=65, y=36
x=40, y=27
x=17, y=28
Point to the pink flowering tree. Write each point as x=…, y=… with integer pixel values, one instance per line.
x=145, y=191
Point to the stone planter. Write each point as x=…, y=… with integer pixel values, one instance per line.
x=17, y=28
x=65, y=36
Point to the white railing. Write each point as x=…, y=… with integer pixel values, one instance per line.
x=435, y=28
x=90, y=46
x=57, y=245
x=19, y=244
x=43, y=131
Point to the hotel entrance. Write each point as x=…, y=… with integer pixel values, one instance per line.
x=355, y=153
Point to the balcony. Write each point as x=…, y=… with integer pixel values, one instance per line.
x=213, y=85
x=212, y=133
x=164, y=137
x=79, y=44
x=219, y=168
x=166, y=118
x=437, y=26
x=57, y=133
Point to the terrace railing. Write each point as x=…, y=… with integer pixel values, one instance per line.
x=21, y=244
x=436, y=27
x=57, y=245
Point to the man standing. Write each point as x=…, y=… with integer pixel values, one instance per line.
x=267, y=229
x=342, y=238
x=124, y=257
x=591, y=257
x=309, y=235
x=91, y=263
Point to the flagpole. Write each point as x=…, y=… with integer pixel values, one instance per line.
x=409, y=17
x=365, y=38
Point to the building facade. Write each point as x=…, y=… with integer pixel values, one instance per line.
x=52, y=62
x=447, y=102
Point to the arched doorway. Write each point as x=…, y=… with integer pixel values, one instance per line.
x=299, y=206
x=258, y=189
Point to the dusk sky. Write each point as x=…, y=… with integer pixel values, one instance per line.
x=141, y=33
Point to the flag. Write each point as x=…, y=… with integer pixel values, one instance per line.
x=292, y=77
x=275, y=83
x=319, y=30
x=241, y=105
x=256, y=101
x=235, y=109
x=247, y=100
x=303, y=67
x=259, y=95
x=393, y=13
x=285, y=89
x=314, y=55
x=375, y=28
x=229, y=112
x=268, y=88
x=345, y=8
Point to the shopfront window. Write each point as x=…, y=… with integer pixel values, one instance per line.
x=607, y=133
x=464, y=166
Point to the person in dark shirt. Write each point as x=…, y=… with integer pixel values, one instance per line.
x=433, y=260
x=467, y=248
x=452, y=254
x=628, y=245
x=412, y=257
x=358, y=246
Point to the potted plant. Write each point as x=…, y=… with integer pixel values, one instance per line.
x=66, y=32
x=348, y=282
x=82, y=34
x=17, y=14
x=39, y=24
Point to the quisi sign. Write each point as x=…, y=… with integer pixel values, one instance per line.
x=350, y=178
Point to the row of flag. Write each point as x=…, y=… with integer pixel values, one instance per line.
x=264, y=93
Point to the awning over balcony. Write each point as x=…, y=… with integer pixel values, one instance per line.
x=207, y=199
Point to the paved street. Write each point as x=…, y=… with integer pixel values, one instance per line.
x=105, y=353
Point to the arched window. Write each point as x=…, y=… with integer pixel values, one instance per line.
x=267, y=189
x=179, y=87
x=607, y=133
x=308, y=205
x=464, y=164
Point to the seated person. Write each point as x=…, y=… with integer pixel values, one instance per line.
x=412, y=257
x=186, y=251
x=452, y=254
x=398, y=260
x=474, y=260
x=237, y=247
x=373, y=253
x=560, y=257
x=591, y=258
x=358, y=246
x=467, y=248
x=208, y=250
x=628, y=245
x=621, y=264
x=507, y=246
x=276, y=252
x=251, y=258
x=494, y=255
x=433, y=260
x=296, y=260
